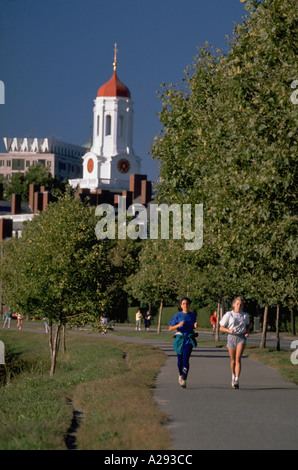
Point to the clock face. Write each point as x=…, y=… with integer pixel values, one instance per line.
x=123, y=165
x=90, y=165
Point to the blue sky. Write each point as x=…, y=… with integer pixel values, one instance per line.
x=55, y=54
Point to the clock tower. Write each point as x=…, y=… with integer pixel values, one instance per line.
x=111, y=158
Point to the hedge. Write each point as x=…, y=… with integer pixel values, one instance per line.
x=203, y=315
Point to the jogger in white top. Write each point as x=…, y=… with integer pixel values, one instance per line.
x=236, y=324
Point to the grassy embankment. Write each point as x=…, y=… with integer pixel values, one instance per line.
x=110, y=381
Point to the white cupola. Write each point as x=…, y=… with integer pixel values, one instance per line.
x=111, y=158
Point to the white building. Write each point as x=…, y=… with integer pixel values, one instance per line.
x=111, y=159
x=63, y=159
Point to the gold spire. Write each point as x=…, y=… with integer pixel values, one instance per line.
x=115, y=57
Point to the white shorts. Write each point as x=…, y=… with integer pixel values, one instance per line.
x=234, y=340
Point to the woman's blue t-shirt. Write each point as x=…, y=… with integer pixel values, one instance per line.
x=189, y=320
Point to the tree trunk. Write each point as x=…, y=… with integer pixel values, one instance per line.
x=159, y=316
x=216, y=336
x=277, y=329
x=50, y=337
x=54, y=345
x=63, y=339
x=264, y=331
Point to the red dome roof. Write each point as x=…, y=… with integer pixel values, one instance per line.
x=114, y=88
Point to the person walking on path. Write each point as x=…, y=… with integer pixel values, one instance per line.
x=213, y=321
x=20, y=320
x=138, y=319
x=8, y=318
x=236, y=324
x=46, y=325
x=147, y=319
x=184, y=322
x=104, y=324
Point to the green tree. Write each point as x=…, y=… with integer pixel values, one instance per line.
x=228, y=141
x=58, y=269
x=123, y=261
x=37, y=174
x=14, y=185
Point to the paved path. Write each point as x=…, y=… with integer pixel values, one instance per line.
x=209, y=414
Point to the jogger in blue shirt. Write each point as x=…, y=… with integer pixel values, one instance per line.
x=184, y=322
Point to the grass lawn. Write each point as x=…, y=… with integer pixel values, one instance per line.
x=279, y=360
x=109, y=380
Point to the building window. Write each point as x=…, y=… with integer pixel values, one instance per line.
x=108, y=125
x=120, y=126
x=98, y=125
x=8, y=163
x=18, y=164
x=27, y=163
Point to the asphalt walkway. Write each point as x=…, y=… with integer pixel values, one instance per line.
x=210, y=415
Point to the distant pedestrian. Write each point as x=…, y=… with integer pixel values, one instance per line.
x=138, y=319
x=236, y=324
x=20, y=320
x=147, y=319
x=46, y=325
x=213, y=320
x=104, y=324
x=7, y=318
x=184, y=322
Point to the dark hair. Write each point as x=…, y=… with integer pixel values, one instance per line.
x=185, y=298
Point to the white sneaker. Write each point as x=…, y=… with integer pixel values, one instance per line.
x=181, y=381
